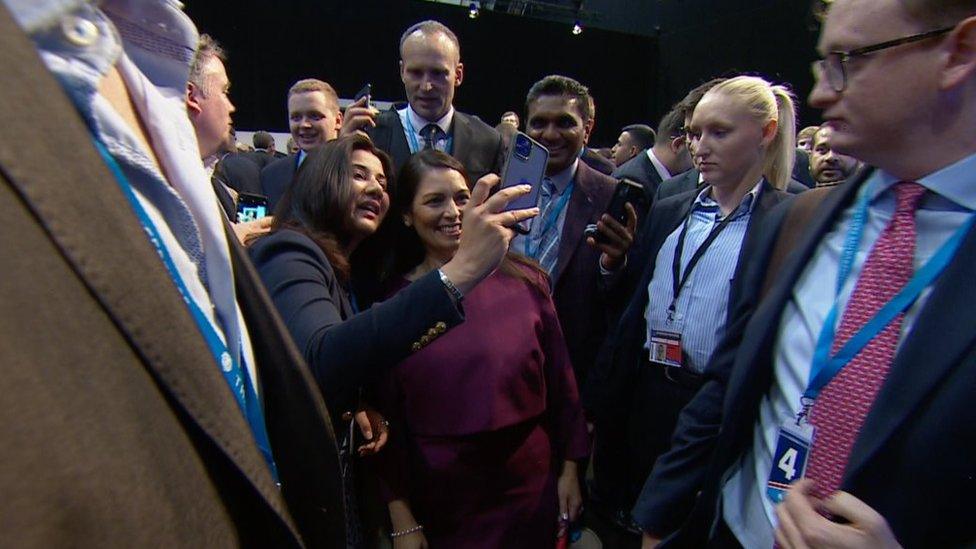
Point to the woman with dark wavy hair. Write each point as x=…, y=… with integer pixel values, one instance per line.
x=486, y=419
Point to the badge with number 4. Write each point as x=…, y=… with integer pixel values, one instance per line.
x=789, y=459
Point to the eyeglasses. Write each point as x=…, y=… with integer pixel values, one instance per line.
x=833, y=67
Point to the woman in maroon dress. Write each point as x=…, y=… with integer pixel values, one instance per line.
x=486, y=419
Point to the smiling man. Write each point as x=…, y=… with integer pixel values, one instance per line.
x=314, y=119
x=878, y=387
x=431, y=71
x=573, y=196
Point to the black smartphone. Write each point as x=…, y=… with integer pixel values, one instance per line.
x=627, y=190
x=367, y=92
x=251, y=207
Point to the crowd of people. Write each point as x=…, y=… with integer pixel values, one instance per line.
x=775, y=351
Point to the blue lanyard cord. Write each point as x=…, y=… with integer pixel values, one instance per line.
x=237, y=377
x=825, y=367
x=549, y=222
x=415, y=145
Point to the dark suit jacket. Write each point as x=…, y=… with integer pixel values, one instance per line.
x=121, y=429
x=276, y=177
x=640, y=169
x=261, y=158
x=624, y=351
x=476, y=145
x=689, y=180
x=913, y=459
x=346, y=350
x=239, y=173
x=597, y=161
x=227, y=202
x=576, y=277
x=801, y=169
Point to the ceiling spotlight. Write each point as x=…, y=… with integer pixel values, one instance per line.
x=474, y=10
x=577, y=28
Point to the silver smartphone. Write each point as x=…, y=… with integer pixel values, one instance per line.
x=525, y=165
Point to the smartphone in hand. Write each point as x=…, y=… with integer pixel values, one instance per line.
x=367, y=92
x=525, y=165
x=251, y=207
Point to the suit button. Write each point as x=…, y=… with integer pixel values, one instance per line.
x=432, y=333
x=440, y=327
x=424, y=339
x=415, y=347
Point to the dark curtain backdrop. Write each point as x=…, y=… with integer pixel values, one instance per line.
x=633, y=78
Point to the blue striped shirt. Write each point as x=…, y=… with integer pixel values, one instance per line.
x=702, y=305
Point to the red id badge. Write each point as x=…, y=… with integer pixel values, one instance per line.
x=666, y=348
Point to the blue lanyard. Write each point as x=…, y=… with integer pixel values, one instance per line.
x=825, y=367
x=415, y=145
x=237, y=377
x=549, y=222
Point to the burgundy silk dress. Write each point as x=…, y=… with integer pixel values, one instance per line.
x=482, y=418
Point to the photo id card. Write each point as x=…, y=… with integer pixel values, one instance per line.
x=666, y=348
x=790, y=458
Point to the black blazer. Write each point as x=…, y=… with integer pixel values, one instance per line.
x=476, y=145
x=276, y=177
x=641, y=169
x=913, y=461
x=346, y=350
x=239, y=173
x=689, y=180
x=605, y=396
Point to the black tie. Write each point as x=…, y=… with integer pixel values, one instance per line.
x=430, y=132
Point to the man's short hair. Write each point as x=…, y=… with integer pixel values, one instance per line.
x=934, y=13
x=556, y=84
x=671, y=125
x=687, y=105
x=263, y=140
x=641, y=134
x=207, y=49
x=807, y=132
x=429, y=28
x=314, y=85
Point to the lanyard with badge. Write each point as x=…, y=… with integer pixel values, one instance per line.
x=548, y=223
x=415, y=144
x=237, y=377
x=796, y=435
x=665, y=347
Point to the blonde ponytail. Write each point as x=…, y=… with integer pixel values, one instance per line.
x=768, y=102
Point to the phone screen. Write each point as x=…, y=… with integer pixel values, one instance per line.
x=251, y=207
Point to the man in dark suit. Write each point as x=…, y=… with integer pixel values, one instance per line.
x=264, y=151
x=633, y=140
x=573, y=196
x=431, y=70
x=314, y=118
x=667, y=158
x=891, y=460
x=209, y=109
x=127, y=432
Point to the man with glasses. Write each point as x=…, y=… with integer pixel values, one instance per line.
x=839, y=413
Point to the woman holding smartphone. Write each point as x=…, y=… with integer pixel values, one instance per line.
x=487, y=421
x=337, y=200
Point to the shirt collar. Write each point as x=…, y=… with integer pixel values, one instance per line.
x=953, y=182
x=444, y=123
x=562, y=179
x=662, y=170
x=745, y=207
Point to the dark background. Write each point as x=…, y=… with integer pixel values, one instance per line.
x=637, y=56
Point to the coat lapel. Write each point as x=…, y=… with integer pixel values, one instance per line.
x=578, y=213
x=90, y=220
x=461, y=148
x=399, y=148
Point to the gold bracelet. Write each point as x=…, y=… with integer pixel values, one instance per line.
x=416, y=528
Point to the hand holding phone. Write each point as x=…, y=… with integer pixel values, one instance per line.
x=360, y=114
x=614, y=233
x=525, y=165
